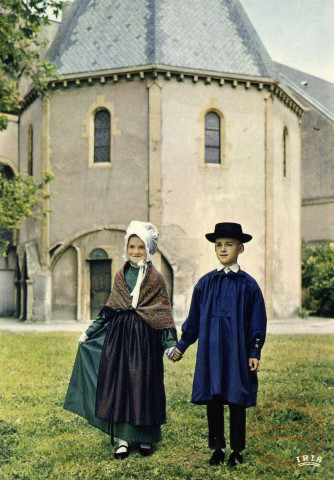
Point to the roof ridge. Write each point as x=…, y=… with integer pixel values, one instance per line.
x=260, y=50
x=151, y=29
x=309, y=98
x=55, y=48
x=315, y=90
x=304, y=73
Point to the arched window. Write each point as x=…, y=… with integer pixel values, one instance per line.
x=285, y=151
x=6, y=171
x=30, y=167
x=212, y=138
x=98, y=254
x=102, y=136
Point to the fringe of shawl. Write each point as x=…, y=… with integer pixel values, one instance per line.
x=153, y=304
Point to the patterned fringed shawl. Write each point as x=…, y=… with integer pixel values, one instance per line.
x=153, y=305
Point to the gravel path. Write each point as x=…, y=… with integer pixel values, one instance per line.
x=292, y=325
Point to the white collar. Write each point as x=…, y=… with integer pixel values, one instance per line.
x=137, y=265
x=235, y=268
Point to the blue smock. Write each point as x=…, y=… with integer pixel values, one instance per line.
x=227, y=316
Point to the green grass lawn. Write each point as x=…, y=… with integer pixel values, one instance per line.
x=39, y=440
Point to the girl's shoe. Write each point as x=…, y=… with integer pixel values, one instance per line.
x=146, y=451
x=121, y=452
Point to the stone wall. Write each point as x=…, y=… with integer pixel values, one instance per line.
x=157, y=172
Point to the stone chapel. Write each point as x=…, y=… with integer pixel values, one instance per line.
x=164, y=111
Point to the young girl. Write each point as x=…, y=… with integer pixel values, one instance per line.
x=135, y=327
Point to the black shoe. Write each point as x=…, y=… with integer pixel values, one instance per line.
x=121, y=455
x=218, y=457
x=146, y=452
x=235, y=459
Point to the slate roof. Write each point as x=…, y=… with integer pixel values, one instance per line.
x=211, y=35
x=315, y=90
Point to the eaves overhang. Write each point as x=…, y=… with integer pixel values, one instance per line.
x=168, y=72
x=312, y=101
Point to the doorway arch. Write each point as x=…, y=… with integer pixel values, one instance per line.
x=100, y=280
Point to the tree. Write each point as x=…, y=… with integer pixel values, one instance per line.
x=20, y=50
x=318, y=279
x=20, y=197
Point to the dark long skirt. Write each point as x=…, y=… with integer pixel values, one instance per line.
x=81, y=392
x=130, y=386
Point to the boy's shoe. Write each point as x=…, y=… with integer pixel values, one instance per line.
x=235, y=459
x=218, y=457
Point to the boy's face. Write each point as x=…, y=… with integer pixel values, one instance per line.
x=228, y=250
x=136, y=250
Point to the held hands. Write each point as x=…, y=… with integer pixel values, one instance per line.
x=177, y=355
x=173, y=354
x=254, y=364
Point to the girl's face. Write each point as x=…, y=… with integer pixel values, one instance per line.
x=136, y=250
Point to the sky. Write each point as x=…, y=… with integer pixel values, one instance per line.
x=297, y=33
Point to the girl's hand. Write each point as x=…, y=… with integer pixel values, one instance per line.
x=254, y=364
x=169, y=352
x=83, y=337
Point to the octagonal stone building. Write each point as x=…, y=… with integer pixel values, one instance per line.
x=164, y=111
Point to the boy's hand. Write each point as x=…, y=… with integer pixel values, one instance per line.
x=254, y=364
x=177, y=355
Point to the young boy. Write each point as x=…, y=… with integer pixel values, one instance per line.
x=227, y=316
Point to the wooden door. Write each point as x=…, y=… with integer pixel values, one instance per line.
x=100, y=285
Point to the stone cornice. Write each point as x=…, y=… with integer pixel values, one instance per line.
x=177, y=73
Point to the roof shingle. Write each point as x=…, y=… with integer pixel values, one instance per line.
x=213, y=35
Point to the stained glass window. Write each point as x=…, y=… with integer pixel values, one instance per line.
x=102, y=136
x=212, y=138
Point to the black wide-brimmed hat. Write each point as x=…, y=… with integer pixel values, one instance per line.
x=228, y=230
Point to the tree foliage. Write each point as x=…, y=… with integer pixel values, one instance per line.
x=318, y=279
x=20, y=49
x=20, y=197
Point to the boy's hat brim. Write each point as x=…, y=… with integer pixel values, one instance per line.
x=228, y=230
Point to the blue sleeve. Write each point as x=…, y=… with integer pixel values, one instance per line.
x=190, y=328
x=257, y=325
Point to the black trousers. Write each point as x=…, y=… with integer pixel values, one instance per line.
x=215, y=413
